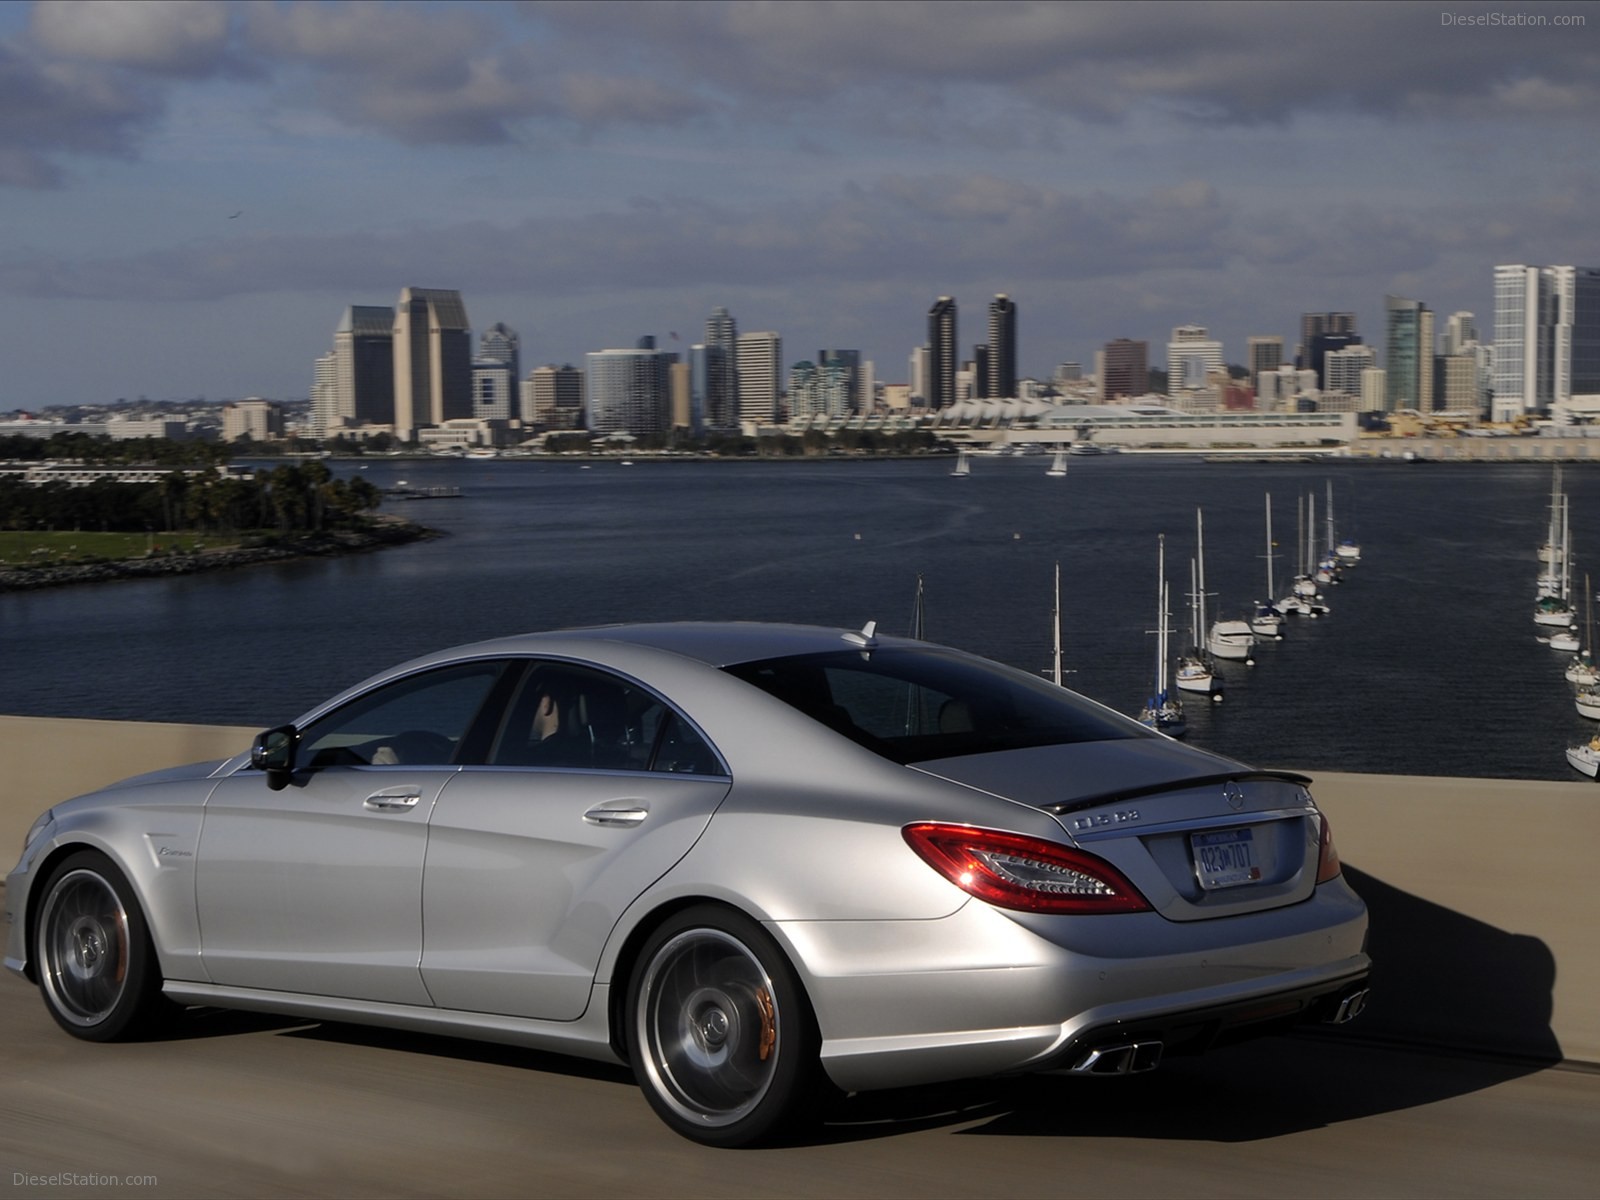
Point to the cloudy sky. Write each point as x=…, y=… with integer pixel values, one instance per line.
x=193, y=191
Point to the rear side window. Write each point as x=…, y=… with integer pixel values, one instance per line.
x=916, y=705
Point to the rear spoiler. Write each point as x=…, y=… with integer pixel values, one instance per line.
x=1118, y=795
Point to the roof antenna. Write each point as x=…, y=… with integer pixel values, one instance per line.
x=867, y=639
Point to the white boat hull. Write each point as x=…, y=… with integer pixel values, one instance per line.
x=1231, y=640
x=1588, y=705
x=1586, y=759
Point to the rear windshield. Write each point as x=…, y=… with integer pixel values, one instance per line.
x=915, y=705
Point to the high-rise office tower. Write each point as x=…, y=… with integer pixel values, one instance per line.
x=1341, y=369
x=1409, y=361
x=721, y=371
x=1266, y=354
x=760, y=364
x=630, y=391
x=1001, y=379
x=917, y=366
x=977, y=372
x=1459, y=329
x=1191, y=355
x=555, y=397
x=1126, y=369
x=495, y=373
x=1320, y=346
x=432, y=359
x=850, y=361
x=822, y=389
x=363, y=350
x=1313, y=325
x=1546, y=337
x=325, y=396
x=499, y=343
x=943, y=359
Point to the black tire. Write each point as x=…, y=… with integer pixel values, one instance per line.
x=722, y=1039
x=96, y=964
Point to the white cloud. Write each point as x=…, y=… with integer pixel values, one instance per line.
x=183, y=37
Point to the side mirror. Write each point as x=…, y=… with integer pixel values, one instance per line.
x=273, y=752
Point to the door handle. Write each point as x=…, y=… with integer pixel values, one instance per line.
x=393, y=798
x=600, y=814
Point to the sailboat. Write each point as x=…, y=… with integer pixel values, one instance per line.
x=1194, y=672
x=1055, y=671
x=963, y=465
x=1268, y=622
x=1058, y=465
x=1231, y=640
x=1162, y=712
x=1303, y=597
x=1554, y=607
x=1582, y=670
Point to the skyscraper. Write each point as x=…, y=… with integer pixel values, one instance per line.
x=1191, y=354
x=1002, y=373
x=1315, y=324
x=1409, y=361
x=556, y=397
x=1266, y=354
x=1459, y=329
x=721, y=371
x=1546, y=337
x=325, y=396
x=495, y=373
x=760, y=366
x=432, y=360
x=1342, y=369
x=850, y=360
x=629, y=391
x=1126, y=369
x=943, y=358
x=363, y=350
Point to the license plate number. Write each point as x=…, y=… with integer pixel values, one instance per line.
x=1225, y=859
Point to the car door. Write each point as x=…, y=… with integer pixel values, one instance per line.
x=533, y=857
x=317, y=887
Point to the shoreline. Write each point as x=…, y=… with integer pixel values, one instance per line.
x=384, y=531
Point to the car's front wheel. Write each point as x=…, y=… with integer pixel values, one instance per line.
x=96, y=965
x=722, y=1039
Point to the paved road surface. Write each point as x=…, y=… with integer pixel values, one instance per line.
x=246, y=1106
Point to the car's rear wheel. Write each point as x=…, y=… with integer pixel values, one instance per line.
x=96, y=965
x=722, y=1039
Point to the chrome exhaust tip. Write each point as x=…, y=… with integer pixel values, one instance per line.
x=1350, y=1007
x=1131, y=1059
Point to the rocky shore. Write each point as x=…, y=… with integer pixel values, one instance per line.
x=384, y=531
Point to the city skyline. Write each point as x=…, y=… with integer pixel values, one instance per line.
x=200, y=190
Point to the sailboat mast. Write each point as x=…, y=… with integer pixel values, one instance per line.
x=1200, y=579
x=1271, y=595
x=1056, y=673
x=1161, y=615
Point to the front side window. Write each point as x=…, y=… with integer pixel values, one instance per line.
x=420, y=720
x=917, y=705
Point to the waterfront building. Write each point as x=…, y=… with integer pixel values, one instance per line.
x=1000, y=374
x=918, y=368
x=1409, y=361
x=1546, y=339
x=1342, y=369
x=629, y=391
x=1266, y=354
x=1191, y=355
x=942, y=354
x=256, y=419
x=760, y=365
x=363, y=349
x=1285, y=389
x=1126, y=370
x=682, y=394
x=324, y=396
x=495, y=373
x=1067, y=372
x=859, y=384
x=1455, y=382
x=432, y=360
x=819, y=390
x=555, y=397
x=721, y=376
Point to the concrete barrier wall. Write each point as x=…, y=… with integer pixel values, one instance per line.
x=1484, y=893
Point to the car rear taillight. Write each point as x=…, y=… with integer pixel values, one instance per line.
x=1328, y=866
x=1031, y=874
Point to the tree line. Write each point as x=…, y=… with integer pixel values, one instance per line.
x=299, y=498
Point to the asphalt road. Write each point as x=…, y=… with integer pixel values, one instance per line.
x=238, y=1105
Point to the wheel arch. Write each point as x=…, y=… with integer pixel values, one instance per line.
x=45, y=866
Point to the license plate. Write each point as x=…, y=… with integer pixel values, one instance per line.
x=1225, y=859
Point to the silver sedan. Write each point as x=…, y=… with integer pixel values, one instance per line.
x=760, y=864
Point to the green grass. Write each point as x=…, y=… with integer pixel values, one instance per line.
x=42, y=547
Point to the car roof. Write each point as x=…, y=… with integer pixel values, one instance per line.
x=716, y=643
